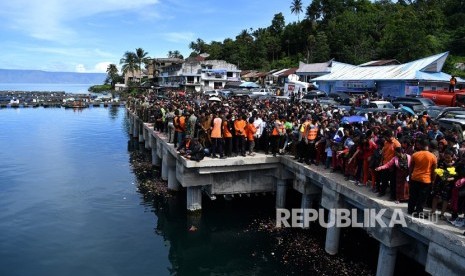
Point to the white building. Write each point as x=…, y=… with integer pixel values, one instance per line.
x=198, y=75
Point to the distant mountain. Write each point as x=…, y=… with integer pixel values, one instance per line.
x=37, y=76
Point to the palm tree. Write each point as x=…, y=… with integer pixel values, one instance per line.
x=141, y=57
x=129, y=62
x=296, y=7
x=112, y=74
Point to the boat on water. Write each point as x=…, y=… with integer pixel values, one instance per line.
x=75, y=104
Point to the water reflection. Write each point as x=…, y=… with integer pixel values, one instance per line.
x=235, y=237
x=113, y=111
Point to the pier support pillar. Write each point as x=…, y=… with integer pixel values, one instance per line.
x=141, y=131
x=306, y=203
x=135, y=132
x=131, y=123
x=164, y=166
x=332, y=200
x=281, y=191
x=173, y=183
x=146, y=138
x=194, y=198
x=386, y=260
x=333, y=234
x=155, y=158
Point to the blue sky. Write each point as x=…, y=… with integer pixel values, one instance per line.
x=87, y=35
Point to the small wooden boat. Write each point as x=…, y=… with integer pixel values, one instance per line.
x=75, y=104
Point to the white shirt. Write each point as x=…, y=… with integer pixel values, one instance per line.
x=258, y=124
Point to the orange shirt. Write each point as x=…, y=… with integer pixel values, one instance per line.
x=216, y=130
x=389, y=150
x=424, y=162
x=226, y=132
x=250, y=130
x=239, y=127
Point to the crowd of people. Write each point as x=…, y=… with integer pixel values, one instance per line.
x=406, y=157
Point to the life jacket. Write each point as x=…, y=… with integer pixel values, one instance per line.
x=180, y=123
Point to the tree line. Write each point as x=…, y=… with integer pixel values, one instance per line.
x=351, y=31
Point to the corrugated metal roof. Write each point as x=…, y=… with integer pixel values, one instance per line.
x=381, y=62
x=277, y=73
x=428, y=67
x=288, y=72
x=314, y=67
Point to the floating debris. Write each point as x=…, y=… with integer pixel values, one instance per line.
x=301, y=249
x=148, y=181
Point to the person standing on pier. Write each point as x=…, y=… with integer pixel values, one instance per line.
x=422, y=166
x=239, y=128
x=227, y=135
x=311, y=136
x=217, y=136
x=388, y=175
x=250, y=132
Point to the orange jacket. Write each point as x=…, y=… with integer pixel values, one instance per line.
x=226, y=132
x=180, y=124
x=239, y=127
x=250, y=130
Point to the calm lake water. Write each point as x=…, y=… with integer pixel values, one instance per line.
x=69, y=205
x=69, y=88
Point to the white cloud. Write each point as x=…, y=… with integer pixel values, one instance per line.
x=48, y=19
x=179, y=37
x=80, y=68
x=101, y=67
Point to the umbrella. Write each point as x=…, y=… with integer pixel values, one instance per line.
x=353, y=119
x=407, y=110
x=249, y=84
x=214, y=99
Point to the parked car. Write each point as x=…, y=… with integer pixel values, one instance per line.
x=436, y=112
x=366, y=111
x=381, y=105
x=327, y=101
x=310, y=96
x=241, y=93
x=211, y=93
x=448, y=123
x=341, y=97
x=412, y=101
x=262, y=91
x=225, y=94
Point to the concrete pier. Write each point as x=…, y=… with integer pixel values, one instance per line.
x=146, y=138
x=281, y=192
x=194, y=198
x=386, y=261
x=439, y=246
x=155, y=158
x=164, y=167
x=135, y=129
x=141, y=132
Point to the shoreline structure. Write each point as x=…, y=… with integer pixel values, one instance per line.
x=439, y=247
